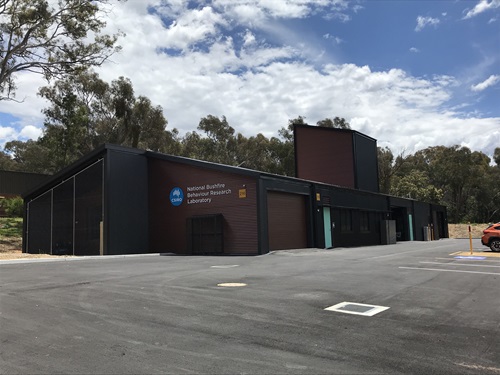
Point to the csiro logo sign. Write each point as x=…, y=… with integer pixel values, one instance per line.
x=176, y=196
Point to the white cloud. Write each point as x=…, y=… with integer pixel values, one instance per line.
x=249, y=39
x=258, y=85
x=482, y=6
x=248, y=10
x=247, y=14
x=490, y=81
x=192, y=27
x=251, y=10
x=333, y=38
x=30, y=132
x=339, y=16
x=26, y=110
x=426, y=21
x=414, y=50
x=9, y=133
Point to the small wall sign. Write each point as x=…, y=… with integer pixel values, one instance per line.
x=176, y=196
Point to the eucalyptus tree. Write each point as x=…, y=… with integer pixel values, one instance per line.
x=75, y=116
x=51, y=38
x=6, y=162
x=29, y=156
x=416, y=185
x=219, y=144
x=461, y=175
x=254, y=153
x=282, y=150
x=84, y=112
x=385, y=159
x=191, y=145
x=336, y=122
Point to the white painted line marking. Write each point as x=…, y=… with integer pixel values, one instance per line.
x=471, y=260
x=406, y=252
x=340, y=307
x=483, y=369
x=461, y=264
x=226, y=266
x=444, y=270
x=231, y=285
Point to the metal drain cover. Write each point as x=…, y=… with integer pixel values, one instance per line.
x=357, y=308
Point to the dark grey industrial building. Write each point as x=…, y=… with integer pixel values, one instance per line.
x=14, y=184
x=119, y=200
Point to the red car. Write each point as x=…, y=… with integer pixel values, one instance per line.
x=491, y=237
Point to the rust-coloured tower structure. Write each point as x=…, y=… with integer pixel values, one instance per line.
x=336, y=156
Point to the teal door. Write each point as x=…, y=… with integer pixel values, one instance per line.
x=327, y=223
x=410, y=221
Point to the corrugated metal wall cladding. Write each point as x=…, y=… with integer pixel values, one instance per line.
x=204, y=192
x=354, y=199
x=126, y=186
x=325, y=156
x=422, y=218
x=366, y=163
x=400, y=202
x=286, y=221
x=19, y=182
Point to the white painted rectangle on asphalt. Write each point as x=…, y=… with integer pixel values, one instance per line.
x=357, y=308
x=448, y=270
x=468, y=260
x=461, y=264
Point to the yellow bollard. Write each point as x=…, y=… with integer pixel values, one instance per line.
x=470, y=239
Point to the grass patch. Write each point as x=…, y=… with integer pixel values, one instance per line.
x=11, y=227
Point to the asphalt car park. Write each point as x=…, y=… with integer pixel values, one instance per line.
x=415, y=307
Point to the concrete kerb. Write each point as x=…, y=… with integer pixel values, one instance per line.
x=274, y=252
x=69, y=259
x=103, y=257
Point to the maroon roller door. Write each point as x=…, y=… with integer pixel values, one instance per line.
x=286, y=221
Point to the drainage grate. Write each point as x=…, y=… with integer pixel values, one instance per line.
x=357, y=308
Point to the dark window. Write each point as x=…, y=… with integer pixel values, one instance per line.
x=364, y=221
x=345, y=220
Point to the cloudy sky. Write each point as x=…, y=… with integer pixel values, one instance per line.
x=411, y=74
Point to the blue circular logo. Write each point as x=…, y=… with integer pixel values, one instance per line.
x=176, y=196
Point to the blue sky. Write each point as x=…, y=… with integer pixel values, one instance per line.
x=411, y=74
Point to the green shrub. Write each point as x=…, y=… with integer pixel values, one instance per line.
x=13, y=206
x=11, y=227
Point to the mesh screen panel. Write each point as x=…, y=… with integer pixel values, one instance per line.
x=88, y=210
x=39, y=219
x=62, y=219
